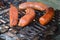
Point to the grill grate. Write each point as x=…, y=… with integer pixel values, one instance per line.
x=33, y=31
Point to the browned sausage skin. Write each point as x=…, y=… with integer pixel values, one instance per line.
x=36, y=5
x=47, y=16
x=39, y=6
x=26, y=19
x=13, y=13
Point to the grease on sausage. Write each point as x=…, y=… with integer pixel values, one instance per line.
x=13, y=15
x=27, y=18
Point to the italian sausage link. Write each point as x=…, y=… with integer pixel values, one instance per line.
x=13, y=15
x=26, y=19
x=39, y=6
x=47, y=16
x=36, y=5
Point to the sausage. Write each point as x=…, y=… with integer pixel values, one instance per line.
x=42, y=7
x=47, y=16
x=13, y=13
x=27, y=18
x=36, y=5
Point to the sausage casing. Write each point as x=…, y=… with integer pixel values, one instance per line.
x=13, y=15
x=27, y=18
x=36, y=5
x=47, y=16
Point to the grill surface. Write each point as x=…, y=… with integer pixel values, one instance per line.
x=34, y=31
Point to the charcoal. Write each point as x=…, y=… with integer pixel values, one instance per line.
x=9, y=36
x=1, y=3
x=13, y=31
x=4, y=28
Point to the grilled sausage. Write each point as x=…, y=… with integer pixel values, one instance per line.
x=47, y=16
x=27, y=18
x=13, y=15
x=35, y=5
x=42, y=7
